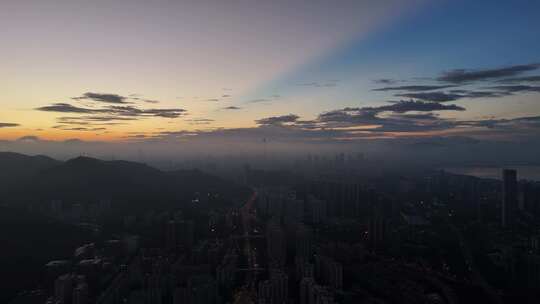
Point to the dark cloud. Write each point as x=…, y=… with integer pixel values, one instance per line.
x=454, y=95
x=464, y=76
x=414, y=88
x=456, y=79
x=67, y=108
x=232, y=108
x=8, y=125
x=483, y=94
x=370, y=114
x=528, y=126
x=461, y=77
x=67, y=128
x=347, y=115
x=419, y=106
x=356, y=123
x=95, y=120
x=504, y=122
x=394, y=123
x=165, y=113
x=120, y=111
x=277, y=120
x=420, y=116
x=394, y=117
x=107, y=98
x=281, y=132
x=145, y=100
x=385, y=81
x=432, y=96
x=535, y=78
x=509, y=89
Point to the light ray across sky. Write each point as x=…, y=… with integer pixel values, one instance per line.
x=124, y=70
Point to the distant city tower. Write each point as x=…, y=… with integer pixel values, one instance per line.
x=510, y=197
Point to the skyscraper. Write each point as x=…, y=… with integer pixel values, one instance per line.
x=510, y=197
x=275, y=289
x=304, y=242
x=276, y=243
x=63, y=288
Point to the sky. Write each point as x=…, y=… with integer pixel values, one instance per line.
x=303, y=71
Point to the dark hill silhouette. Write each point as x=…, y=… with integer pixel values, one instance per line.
x=15, y=167
x=85, y=179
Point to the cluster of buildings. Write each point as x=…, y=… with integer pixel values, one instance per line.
x=79, y=279
x=334, y=239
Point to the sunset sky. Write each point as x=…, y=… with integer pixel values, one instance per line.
x=305, y=69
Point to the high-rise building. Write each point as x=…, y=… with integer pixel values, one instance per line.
x=56, y=208
x=179, y=233
x=202, y=289
x=63, y=289
x=265, y=291
x=377, y=228
x=306, y=287
x=329, y=271
x=276, y=244
x=170, y=235
x=187, y=233
x=276, y=289
x=316, y=210
x=531, y=197
x=510, y=197
x=311, y=293
x=181, y=295
x=80, y=293
x=293, y=209
x=304, y=269
x=304, y=242
x=226, y=272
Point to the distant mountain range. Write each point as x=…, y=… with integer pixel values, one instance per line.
x=31, y=178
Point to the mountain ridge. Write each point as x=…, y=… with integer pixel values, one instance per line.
x=89, y=179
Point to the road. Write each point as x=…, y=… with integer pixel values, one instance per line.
x=247, y=213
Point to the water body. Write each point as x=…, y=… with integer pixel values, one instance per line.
x=523, y=172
